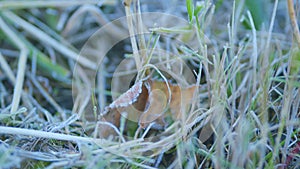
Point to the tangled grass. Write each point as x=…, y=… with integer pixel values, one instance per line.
x=245, y=113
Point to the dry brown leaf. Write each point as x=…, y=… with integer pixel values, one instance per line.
x=133, y=109
x=147, y=103
x=157, y=105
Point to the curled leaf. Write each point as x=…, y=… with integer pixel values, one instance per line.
x=148, y=102
x=155, y=109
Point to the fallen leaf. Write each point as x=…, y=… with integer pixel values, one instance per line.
x=157, y=104
x=132, y=102
x=148, y=102
x=180, y=99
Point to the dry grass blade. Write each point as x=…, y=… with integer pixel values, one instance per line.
x=46, y=95
x=6, y=68
x=49, y=40
x=49, y=135
x=52, y=3
x=132, y=34
x=99, y=17
x=21, y=65
x=292, y=13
